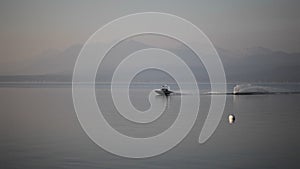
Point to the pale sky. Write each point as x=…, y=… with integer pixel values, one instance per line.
x=30, y=27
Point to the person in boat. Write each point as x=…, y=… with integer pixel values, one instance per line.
x=164, y=90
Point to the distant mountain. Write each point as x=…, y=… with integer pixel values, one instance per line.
x=256, y=64
x=264, y=65
x=53, y=62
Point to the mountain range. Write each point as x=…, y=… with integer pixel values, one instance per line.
x=255, y=64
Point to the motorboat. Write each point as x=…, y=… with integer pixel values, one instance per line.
x=164, y=90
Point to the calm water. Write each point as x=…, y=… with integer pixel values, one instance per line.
x=39, y=129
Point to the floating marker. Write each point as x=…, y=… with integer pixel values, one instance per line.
x=231, y=118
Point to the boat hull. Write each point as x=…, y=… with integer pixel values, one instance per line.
x=161, y=92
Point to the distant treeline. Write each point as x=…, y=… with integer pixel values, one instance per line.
x=36, y=78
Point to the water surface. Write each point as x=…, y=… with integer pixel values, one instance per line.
x=39, y=129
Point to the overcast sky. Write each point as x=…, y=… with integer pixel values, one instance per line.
x=31, y=27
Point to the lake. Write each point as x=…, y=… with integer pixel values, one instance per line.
x=39, y=129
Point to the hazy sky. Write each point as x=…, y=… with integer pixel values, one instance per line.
x=29, y=27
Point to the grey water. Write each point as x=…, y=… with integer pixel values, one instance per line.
x=39, y=129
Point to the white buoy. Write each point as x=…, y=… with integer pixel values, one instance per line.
x=231, y=119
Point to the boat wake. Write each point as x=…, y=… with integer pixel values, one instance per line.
x=248, y=89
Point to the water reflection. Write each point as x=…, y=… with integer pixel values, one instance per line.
x=164, y=99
